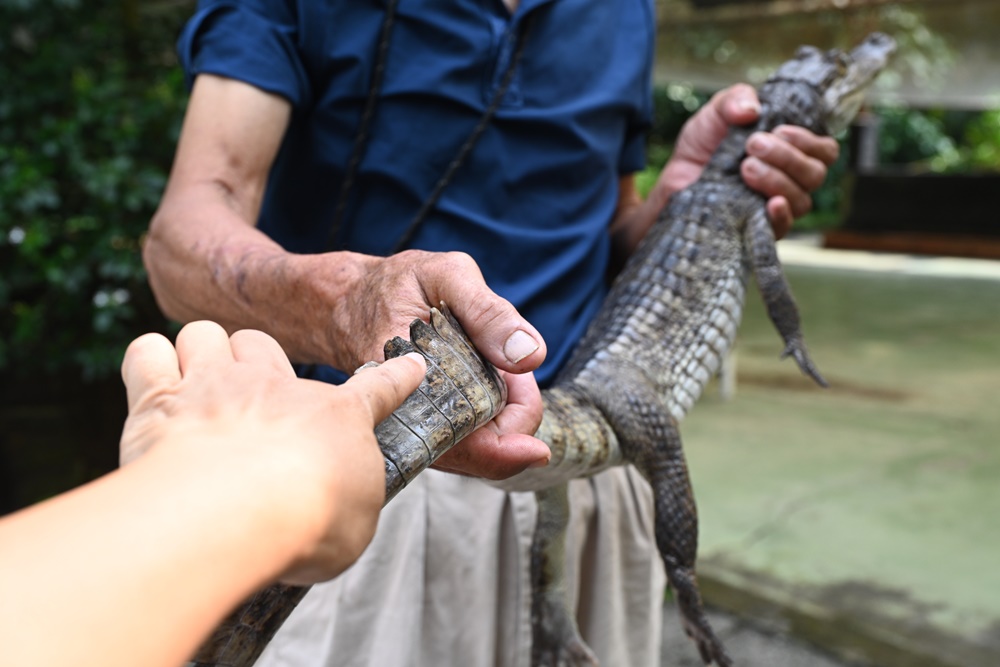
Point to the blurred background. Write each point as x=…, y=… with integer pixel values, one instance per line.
x=861, y=519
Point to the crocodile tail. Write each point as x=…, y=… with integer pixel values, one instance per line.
x=242, y=637
x=581, y=440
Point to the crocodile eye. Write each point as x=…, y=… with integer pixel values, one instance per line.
x=840, y=59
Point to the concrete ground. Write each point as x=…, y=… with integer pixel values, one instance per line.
x=863, y=519
x=750, y=643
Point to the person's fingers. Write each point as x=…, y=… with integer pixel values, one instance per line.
x=505, y=446
x=823, y=148
x=203, y=345
x=256, y=347
x=523, y=412
x=780, y=215
x=384, y=387
x=806, y=171
x=737, y=105
x=773, y=182
x=493, y=324
x=150, y=362
x=489, y=455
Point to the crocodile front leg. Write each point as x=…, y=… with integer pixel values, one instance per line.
x=761, y=248
x=555, y=639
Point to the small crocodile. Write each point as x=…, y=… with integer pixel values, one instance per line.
x=669, y=320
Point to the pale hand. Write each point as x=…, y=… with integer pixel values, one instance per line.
x=301, y=448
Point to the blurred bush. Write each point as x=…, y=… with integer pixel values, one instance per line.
x=88, y=121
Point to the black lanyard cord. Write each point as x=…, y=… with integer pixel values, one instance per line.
x=466, y=148
x=361, y=138
x=460, y=156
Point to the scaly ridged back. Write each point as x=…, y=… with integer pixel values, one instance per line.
x=673, y=312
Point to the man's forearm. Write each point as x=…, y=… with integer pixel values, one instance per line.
x=205, y=262
x=633, y=218
x=205, y=257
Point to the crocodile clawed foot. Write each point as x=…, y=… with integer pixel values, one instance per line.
x=572, y=652
x=796, y=348
x=709, y=646
x=555, y=636
x=575, y=654
x=696, y=625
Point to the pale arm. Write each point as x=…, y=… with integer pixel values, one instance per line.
x=243, y=483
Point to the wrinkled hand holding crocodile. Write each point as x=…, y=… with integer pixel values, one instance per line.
x=670, y=318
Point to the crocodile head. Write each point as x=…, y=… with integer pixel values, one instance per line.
x=840, y=79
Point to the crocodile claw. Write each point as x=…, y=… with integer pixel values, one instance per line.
x=696, y=626
x=709, y=647
x=572, y=653
x=796, y=348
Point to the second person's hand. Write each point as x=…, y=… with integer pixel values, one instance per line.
x=302, y=453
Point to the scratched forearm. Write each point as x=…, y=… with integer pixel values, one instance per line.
x=206, y=262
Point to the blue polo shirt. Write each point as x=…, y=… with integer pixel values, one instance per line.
x=533, y=200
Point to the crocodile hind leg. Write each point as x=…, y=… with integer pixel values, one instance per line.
x=556, y=640
x=676, y=527
x=650, y=440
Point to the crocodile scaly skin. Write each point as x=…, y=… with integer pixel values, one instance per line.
x=669, y=320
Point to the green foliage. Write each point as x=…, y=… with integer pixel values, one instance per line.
x=944, y=141
x=673, y=104
x=982, y=142
x=88, y=121
x=920, y=138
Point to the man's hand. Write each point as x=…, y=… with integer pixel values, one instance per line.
x=786, y=165
x=503, y=447
x=388, y=293
x=304, y=451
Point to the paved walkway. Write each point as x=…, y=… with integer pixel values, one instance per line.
x=750, y=643
x=864, y=519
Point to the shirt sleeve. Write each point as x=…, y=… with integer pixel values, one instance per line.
x=633, y=156
x=255, y=41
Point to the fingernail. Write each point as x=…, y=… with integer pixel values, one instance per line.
x=749, y=106
x=759, y=144
x=416, y=356
x=755, y=166
x=519, y=346
x=540, y=463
